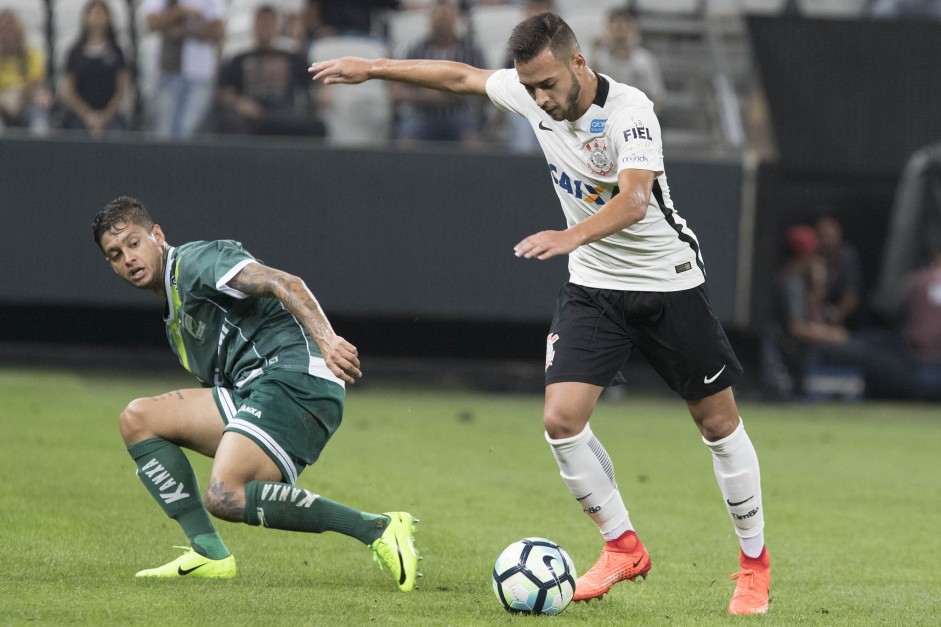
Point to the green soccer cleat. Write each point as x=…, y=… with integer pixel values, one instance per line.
x=192, y=564
x=395, y=549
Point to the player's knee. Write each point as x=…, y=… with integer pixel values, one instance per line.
x=716, y=426
x=133, y=422
x=227, y=505
x=560, y=425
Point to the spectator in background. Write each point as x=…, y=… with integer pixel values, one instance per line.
x=96, y=75
x=618, y=54
x=343, y=17
x=923, y=329
x=266, y=91
x=803, y=285
x=804, y=338
x=191, y=31
x=306, y=25
x=427, y=114
x=24, y=100
x=843, y=272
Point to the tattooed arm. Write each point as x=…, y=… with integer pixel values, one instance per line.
x=257, y=280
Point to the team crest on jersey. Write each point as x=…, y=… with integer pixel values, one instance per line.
x=196, y=328
x=550, y=350
x=598, y=160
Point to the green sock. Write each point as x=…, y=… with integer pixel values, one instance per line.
x=283, y=506
x=168, y=476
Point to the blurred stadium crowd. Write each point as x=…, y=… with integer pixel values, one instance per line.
x=179, y=69
x=175, y=68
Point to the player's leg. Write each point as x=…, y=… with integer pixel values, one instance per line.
x=154, y=429
x=248, y=486
x=703, y=367
x=689, y=349
x=583, y=462
x=283, y=423
x=584, y=352
x=737, y=472
x=588, y=472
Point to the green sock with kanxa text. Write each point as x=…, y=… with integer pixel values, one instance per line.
x=167, y=474
x=283, y=506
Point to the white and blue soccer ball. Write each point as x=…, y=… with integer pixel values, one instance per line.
x=534, y=576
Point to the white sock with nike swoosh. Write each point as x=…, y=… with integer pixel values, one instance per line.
x=587, y=471
x=736, y=468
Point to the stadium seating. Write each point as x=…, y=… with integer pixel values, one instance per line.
x=571, y=8
x=355, y=114
x=405, y=28
x=491, y=26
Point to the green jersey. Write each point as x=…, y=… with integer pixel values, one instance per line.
x=223, y=336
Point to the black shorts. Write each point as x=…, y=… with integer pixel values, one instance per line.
x=594, y=330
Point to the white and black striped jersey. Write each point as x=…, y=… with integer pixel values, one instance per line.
x=619, y=131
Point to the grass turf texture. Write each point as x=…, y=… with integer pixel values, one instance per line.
x=851, y=494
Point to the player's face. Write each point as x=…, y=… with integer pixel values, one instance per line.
x=553, y=84
x=136, y=254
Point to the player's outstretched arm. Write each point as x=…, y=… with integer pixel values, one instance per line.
x=458, y=78
x=257, y=280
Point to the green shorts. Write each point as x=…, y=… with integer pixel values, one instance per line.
x=291, y=415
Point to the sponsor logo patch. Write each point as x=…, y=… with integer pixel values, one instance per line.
x=597, y=126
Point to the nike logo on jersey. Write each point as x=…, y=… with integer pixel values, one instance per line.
x=543, y=127
x=713, y=377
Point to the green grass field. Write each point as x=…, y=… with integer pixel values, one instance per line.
x=852, y=500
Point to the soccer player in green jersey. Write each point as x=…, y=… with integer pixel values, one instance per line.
x=273, y=373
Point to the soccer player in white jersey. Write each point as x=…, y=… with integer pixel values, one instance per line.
x=636, y=279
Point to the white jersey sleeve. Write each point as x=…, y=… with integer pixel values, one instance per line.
x=504, y=90
x=637, y=140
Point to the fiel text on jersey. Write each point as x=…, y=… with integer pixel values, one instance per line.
x=638, y=132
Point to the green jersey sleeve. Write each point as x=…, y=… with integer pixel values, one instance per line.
x=207, y=267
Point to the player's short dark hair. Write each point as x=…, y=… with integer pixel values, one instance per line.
x=122, y=209
x=535, y=34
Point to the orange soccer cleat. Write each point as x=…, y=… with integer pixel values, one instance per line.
x=754, y=583
x=624, y=559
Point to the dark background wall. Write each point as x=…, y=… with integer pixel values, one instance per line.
x=849, y=101
x=404, y=246
x=849, y=97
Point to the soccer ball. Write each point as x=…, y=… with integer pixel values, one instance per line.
x=534, y=576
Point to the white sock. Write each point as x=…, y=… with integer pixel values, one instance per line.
x=736, y=467
x=587, y=471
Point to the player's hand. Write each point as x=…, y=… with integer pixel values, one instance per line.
x=348, y=70
x=342, y=358
x=546, y=244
